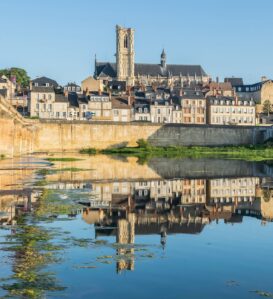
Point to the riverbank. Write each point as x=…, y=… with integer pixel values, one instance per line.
x=145, y=151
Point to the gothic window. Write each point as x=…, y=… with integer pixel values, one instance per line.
x=126, y=41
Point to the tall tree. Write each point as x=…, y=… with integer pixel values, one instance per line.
x=21, y=75
x=267, y=107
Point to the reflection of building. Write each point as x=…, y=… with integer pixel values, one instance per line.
x=126, y=236
x=178, y=206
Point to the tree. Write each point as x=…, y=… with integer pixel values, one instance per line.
x=267, y=107
x=21, y=75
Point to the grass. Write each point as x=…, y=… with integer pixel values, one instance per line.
x=144, y=151
x=63, y=159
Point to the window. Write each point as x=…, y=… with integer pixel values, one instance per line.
x=36, y=84
x=64, y=114
x=158, y=111
x=57, y=114
x=49, y=96
x=44, y=96
x=47, y=85
x=126, y=42
x=115, y=112
x=37, y=106
x=140, y=110
x=145, y=110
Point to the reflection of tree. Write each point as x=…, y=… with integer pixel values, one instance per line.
x=32, y=252
x=266, y=195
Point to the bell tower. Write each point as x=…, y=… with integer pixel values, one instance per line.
x=125, y=54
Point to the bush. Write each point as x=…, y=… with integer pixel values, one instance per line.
x=142, y=143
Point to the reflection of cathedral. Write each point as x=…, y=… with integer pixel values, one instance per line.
x=125, y=68
x=172, y=206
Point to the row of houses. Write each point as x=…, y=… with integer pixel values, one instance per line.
x=192, y=105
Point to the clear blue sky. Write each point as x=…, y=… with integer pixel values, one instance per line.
x=59, y=38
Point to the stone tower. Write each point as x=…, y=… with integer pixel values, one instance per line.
x=125, y=55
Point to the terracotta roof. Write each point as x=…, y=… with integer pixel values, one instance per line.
x=221, y=85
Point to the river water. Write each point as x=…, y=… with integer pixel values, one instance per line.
x=116, y=227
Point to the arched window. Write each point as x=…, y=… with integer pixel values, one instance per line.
x=126, y=41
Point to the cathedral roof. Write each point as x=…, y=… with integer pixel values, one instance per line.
x=144, y=69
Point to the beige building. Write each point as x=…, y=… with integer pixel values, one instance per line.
x=177, y=114
x=231, y=111
x=90, y=84
x=193, y=106
x=45, y=103
x=259, y=93
x=8, y=86
x=97, y=106
x=161, y=111
x=122, y=109
x=142, y=111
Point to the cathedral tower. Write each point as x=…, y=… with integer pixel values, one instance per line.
x=125, y=54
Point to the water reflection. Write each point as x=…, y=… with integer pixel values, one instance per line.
x=179, y=206
x=122, y=204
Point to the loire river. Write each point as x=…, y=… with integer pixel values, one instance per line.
x=115, y=227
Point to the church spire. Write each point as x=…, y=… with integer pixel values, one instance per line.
x=163, y=59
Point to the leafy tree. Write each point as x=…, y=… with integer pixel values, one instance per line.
x=267, y=107
x=21, y=75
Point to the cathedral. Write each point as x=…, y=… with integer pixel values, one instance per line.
x=125, y=68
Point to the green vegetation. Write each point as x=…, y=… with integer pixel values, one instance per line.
x=33, y=250
x=63, y=159
x=89, y=151
x=267, y=107
x=50, y=204
x=21, y=75
x=144, y=151
x=46, y=171
x=2, y=157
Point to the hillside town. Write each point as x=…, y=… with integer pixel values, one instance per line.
x=126, y=91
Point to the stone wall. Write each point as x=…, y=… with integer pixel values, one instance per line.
x=66, y=136
x=17, y=134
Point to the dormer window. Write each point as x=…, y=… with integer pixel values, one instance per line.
x=36, y=84
x=47, y=85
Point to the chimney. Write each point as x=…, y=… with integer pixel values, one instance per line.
x=263, y=78
x=181, y=92
x=217, y=79
x=99, y=92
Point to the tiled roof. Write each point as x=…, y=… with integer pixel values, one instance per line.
x=120, y=103
x=234, y=81
x=109, y=69
x=42, y=89
x=43, y=80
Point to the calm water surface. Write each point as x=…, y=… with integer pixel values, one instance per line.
x=110, y=227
